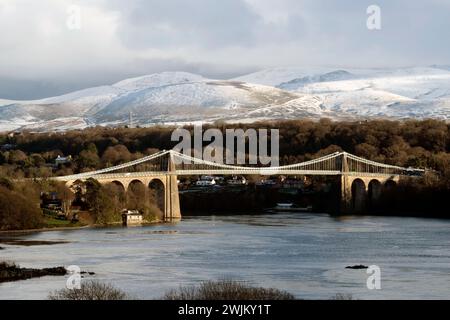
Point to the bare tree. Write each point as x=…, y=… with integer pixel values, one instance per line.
x=91, y=290
x=67, y=196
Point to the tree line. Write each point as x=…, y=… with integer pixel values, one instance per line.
x=412, y=143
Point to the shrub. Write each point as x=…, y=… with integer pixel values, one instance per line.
x=18, y=211
x=91, y=290
x=226, y=290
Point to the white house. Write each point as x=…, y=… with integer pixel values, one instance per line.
x=62, y=160
x=206, y=181
x=132, y=217
x=237, y=181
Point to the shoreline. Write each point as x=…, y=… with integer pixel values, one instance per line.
x=190, y=215
x=89, y=226
x=44, y=229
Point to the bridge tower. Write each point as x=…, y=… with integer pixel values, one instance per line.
x=362, y=188
x=346, y=187
x=172, y=200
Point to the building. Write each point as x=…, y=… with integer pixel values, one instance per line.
x=267, y=183
x=62, y=160
x=132, y=217
x=206, y=181
x=237, y=181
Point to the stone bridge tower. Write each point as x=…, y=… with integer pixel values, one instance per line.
x=172, y=199
x=359, y=189
x=346, y=187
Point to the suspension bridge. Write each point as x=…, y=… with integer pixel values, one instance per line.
x=359, y=177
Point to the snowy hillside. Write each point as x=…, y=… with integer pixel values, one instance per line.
x=281, y=93
x=393, y=93
x=158, y=98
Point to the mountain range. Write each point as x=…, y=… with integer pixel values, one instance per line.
x=278, y=93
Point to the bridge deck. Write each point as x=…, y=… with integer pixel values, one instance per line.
x=339, y=163
x=224, y=172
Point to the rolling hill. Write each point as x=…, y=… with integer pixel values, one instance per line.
x=279, y=93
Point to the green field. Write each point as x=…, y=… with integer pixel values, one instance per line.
x=50, y=221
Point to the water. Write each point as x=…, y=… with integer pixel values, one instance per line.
x=305, y=254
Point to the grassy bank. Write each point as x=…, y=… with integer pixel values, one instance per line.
x=51, y=222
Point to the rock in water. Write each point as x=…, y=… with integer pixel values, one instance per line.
x=359, y=266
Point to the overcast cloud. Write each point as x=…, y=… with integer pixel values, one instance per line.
x=40, y=56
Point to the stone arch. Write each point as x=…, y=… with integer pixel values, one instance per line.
x=390, y=185
x=78, y=186
x=118, y=194
x=134, y=183
x=389, y=198
x=136, y=195
x=158, y=192
x=359, y=195
x=374, y=193
x=75, y=183
x=119, y=184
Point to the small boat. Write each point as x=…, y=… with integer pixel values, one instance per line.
x=284, y=205
x=289, y=207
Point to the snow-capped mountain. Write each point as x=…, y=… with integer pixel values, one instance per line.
x=362, y=93
x=157, y=98
x=280, y=93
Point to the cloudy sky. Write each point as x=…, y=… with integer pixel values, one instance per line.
x=45, y=51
